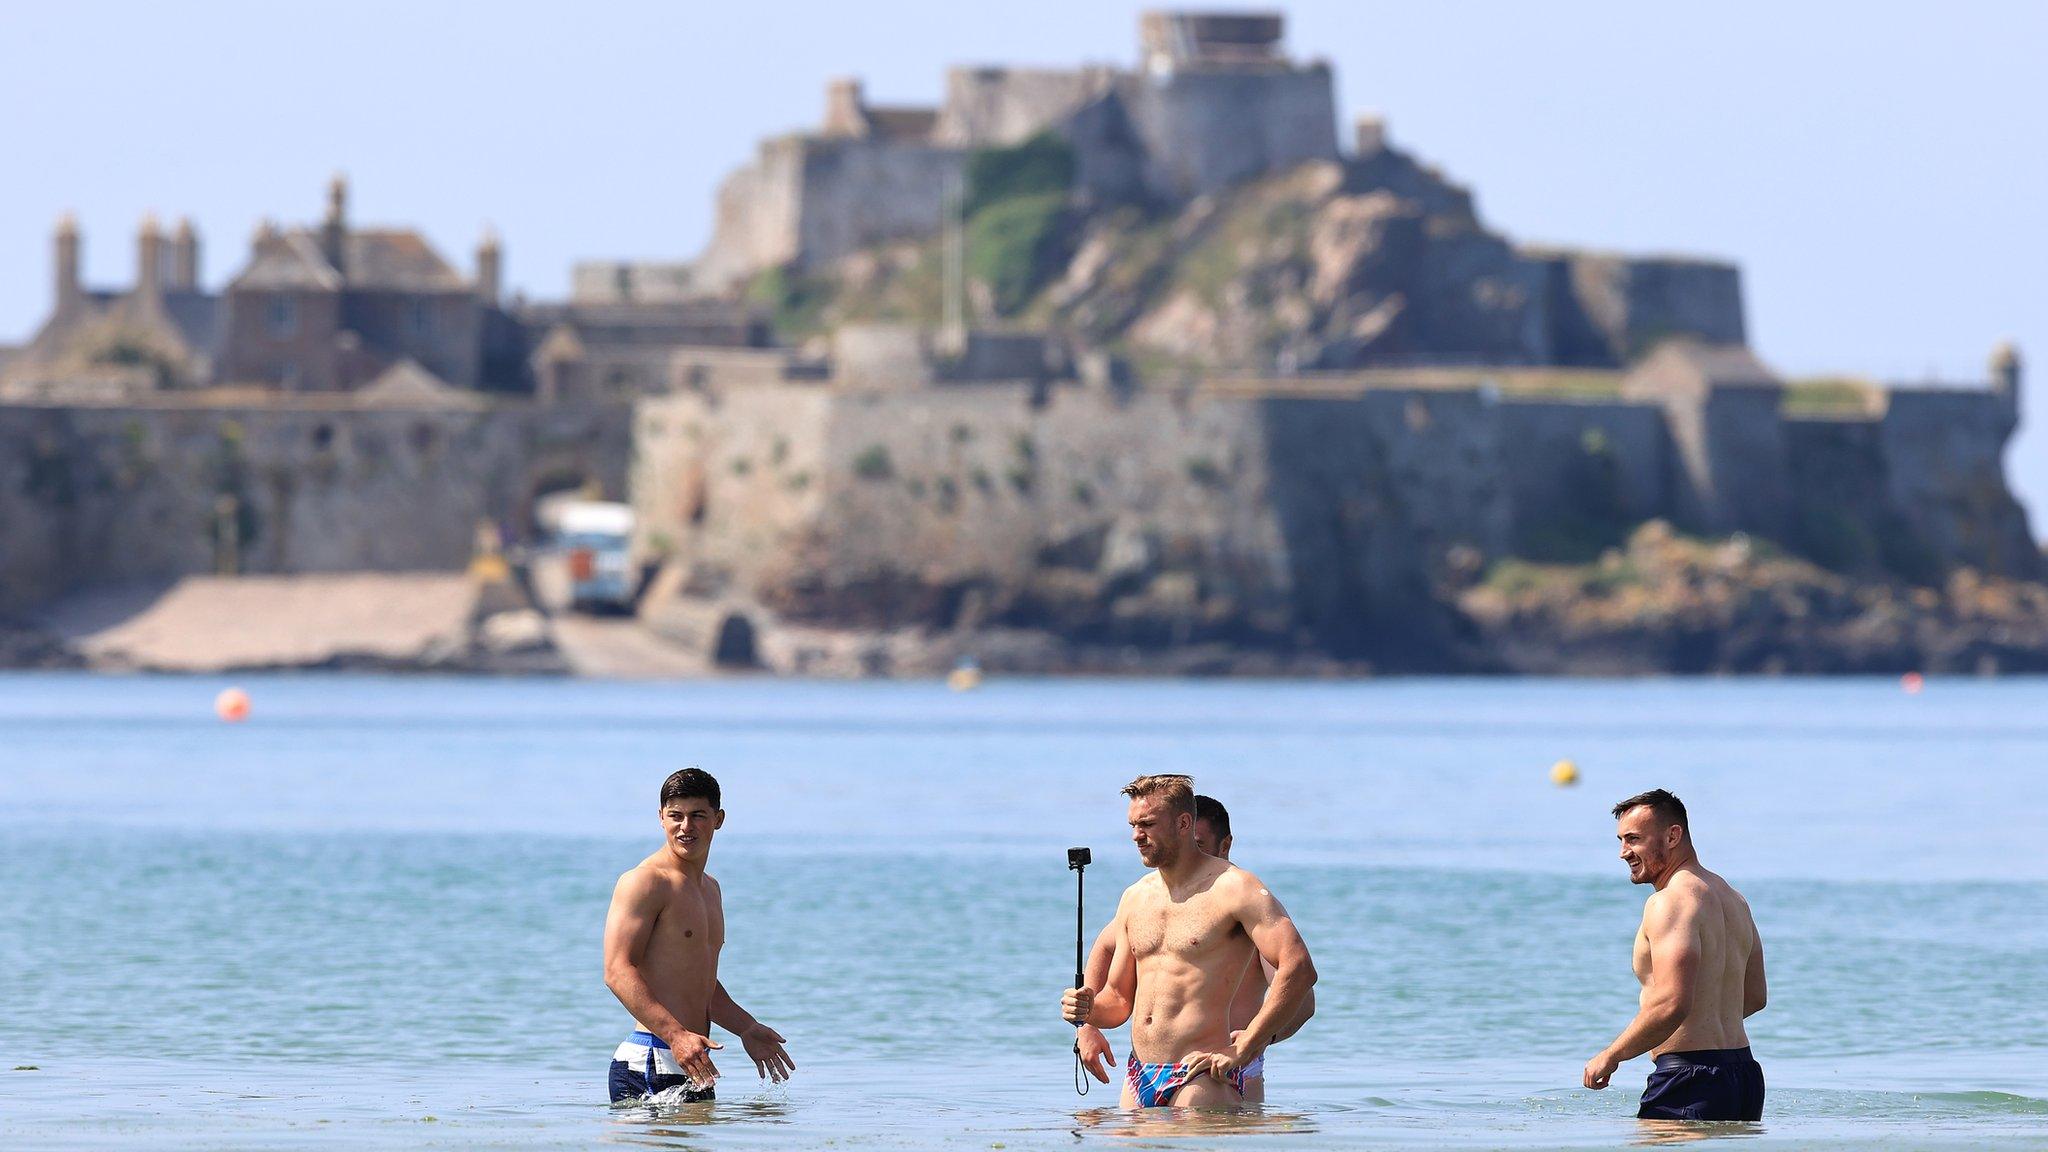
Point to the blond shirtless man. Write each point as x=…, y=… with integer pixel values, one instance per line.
x=1212, y=836
x=1186, y=934
x=661, y=944
x=1701, y=965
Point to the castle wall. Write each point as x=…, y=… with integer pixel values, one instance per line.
x=1612, y=309
x=1945, y=453
x=759, y=209
x=1581, y=473
x=1204, y=130
x=1002, y=107
x=116, y=495
x=857, y=192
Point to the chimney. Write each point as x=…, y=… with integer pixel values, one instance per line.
x=489, y=266
x=334, y=229
x=845, y=108
x=68, y=292
x=185, y=256
x=149, y=248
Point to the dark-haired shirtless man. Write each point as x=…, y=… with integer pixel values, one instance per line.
x=661, y=944
x=1701, y=965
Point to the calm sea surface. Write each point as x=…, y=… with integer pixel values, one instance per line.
x=369, y=917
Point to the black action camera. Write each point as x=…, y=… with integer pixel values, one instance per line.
x=1079, y=858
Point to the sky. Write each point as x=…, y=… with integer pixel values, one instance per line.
x=1874, y=167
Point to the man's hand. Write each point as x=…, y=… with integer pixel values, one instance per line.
x=692, y=1052
x=1076, y=1004
x=1217, y=1064
x=764, y=1046
x=1095, y=1054
x=1600, y=1069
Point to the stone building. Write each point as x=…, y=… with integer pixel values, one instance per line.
x=331, y=308
x=161, y=332
x=339, y=308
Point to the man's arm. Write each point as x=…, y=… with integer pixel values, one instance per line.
x=1755, y=994
x=1308, y=1005
x=1108, y=1003
x=1279, y=943
x=763, y=1044
x=628, y=927
x=1672, y=925
x=1113, y=1006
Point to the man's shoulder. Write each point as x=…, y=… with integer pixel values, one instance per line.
x=1684, y=895
x=1144, y=885
x=1239, y=882
x=646, y=876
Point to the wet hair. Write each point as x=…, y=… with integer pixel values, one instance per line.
x=1211, y=811
x=689, y=784
x=1668, y=809
x=1177, y=791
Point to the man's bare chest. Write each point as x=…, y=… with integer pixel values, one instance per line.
x=689, y=922
x=1190, y=929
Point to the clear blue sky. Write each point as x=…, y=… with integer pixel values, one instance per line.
x=1875, y=167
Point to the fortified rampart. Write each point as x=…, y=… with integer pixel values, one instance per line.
x=1322, y=515
x=112, y=495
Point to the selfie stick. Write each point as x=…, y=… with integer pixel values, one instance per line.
x=1078, y=860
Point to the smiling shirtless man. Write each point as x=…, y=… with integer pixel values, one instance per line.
x=1213, y=838
x=1701, y=965
x=661, y=945
x=1186, y=935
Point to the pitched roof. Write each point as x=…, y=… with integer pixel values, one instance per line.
x=381, y=259
x=398, y=259
x=407, y=384
x=287, y=260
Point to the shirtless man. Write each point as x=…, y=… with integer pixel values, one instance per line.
x=1186, y=934
x=1212, y=836
x=661, y=944
x=1701, y=964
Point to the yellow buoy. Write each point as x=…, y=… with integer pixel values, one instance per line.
x=232, y=705
x=965, y=678
x=1564, y=773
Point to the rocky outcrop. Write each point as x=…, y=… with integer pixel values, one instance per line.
x=1666, y=603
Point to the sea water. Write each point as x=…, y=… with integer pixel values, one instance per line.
x=369, y=916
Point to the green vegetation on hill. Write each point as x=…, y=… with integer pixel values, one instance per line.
x=1042, y=165
x=1016, y=210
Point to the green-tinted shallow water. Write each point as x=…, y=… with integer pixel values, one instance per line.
x=369, y=917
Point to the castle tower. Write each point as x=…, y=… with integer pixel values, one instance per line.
x=334, y=228
x=68, y=291
x=1369, y=135
x=149, y=272
x=2005, y=373
x=489, y=266
x=185, y=257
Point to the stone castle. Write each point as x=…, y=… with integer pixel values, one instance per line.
x=350, y=401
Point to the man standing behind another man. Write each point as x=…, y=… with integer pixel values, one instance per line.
x=1186, y=934
x=1701, y=964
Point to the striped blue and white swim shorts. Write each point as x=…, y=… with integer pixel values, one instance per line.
x=643, y=1066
